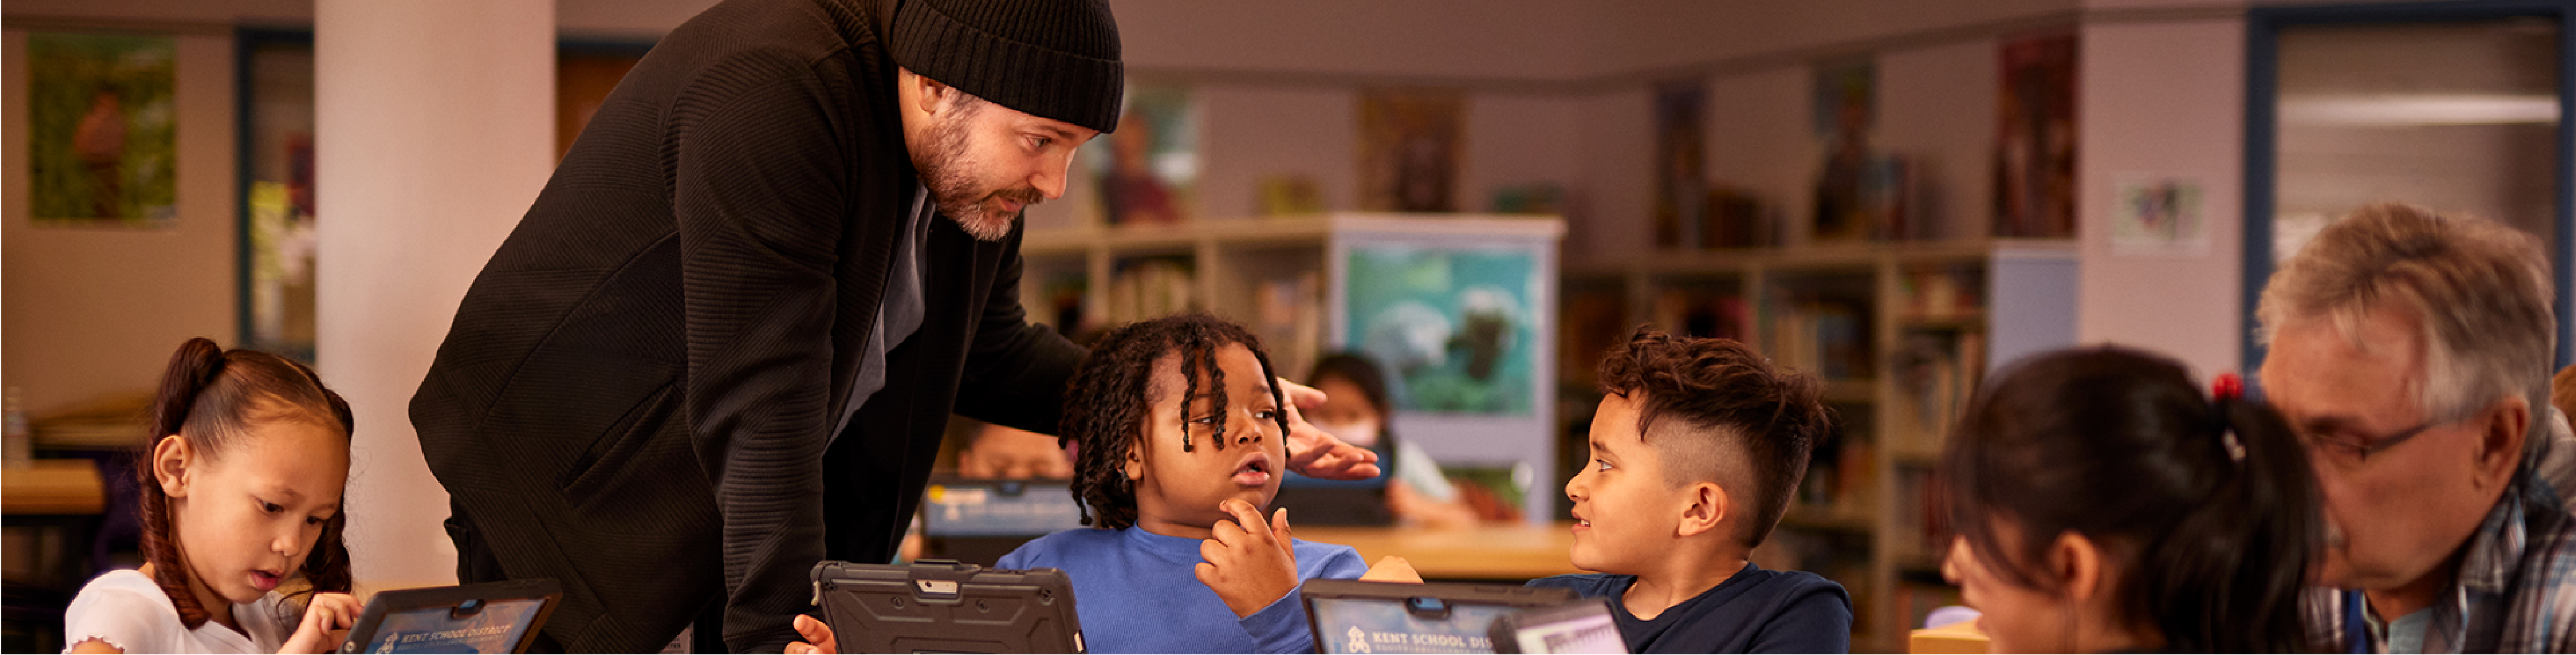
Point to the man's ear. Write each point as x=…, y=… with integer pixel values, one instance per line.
x=1709, y=508
x=170, y=461
x=929, y=95
x=2500, y=441
x=2076, y=561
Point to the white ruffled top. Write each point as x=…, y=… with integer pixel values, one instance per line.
x=128, y=611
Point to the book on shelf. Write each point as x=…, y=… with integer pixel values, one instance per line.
x=1595, y=319
x=1935, y=375
x=1942, y=293
x=1701, y=314
x=1289, y=318
x=1922, y=517
x=1828, y=338
x=1148, y=289
x=1062, y=302
x=1839, y=480
x=1915, y=597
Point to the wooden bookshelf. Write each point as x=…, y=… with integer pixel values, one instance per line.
x=1904, y=307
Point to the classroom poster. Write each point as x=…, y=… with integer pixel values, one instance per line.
x=1409, y=149
x=1148, y=172
x=2156, y=215
x=101, y=138
x=1455, y=326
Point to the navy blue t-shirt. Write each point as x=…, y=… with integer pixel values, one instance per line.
x=1755, y=611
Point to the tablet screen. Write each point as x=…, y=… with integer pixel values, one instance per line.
x=1379, y=625
x=1558, y=631
x=431, y=630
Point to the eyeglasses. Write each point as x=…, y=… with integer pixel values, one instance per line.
x=2350, y=448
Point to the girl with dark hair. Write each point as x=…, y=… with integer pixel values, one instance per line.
x=2103, y=504
x=242, y=488
x=1358, y=410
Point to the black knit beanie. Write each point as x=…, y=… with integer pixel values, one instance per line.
x=1051, y=58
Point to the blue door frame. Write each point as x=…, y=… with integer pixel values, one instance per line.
x=2262, y=135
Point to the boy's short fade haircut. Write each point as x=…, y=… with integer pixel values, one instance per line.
x=1713, y=396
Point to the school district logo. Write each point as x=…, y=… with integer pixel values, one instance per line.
x=1359, y=640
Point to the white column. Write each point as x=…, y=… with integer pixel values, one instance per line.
x=434, y=130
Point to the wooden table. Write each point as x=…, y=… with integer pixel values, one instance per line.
x=53, y=486
x=1498, y=551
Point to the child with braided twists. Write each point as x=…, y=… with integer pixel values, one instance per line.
x=1183, y=432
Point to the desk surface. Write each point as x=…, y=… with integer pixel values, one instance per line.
x=53, y=486
x=1496, y=551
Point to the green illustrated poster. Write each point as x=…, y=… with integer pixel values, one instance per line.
x=101, y=140
x=1454, y=326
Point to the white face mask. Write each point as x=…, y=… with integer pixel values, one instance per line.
x=1356, y=433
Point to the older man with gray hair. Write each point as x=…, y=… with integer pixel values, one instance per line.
x=2411, y=352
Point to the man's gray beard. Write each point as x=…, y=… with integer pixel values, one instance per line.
x=944, y=174
x=980, y=221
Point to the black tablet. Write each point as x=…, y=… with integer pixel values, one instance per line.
x=1582, y=626
x=1352, y=616
x=489, y=617
x=939, y=606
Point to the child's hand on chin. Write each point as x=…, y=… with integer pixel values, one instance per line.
x=814, y=631
x=1248, y=568
x=327, y=619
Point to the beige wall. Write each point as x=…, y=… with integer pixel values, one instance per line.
x=94, y=312
x=2164, y=99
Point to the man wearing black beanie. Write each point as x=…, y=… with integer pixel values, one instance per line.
x=724, y=342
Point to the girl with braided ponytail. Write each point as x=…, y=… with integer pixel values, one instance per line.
x=2104, y=505
x=242, y=479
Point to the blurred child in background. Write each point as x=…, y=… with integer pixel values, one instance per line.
x=1359, y=411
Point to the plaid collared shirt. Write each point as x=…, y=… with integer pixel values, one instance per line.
x=2516, y=589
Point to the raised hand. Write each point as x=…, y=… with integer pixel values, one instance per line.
x=1315, y=453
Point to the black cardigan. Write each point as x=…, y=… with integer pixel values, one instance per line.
x=636, y=393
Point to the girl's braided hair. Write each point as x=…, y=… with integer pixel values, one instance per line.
x=1106, y=403
x=213, y=398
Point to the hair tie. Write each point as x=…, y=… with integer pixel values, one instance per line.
x=2228, y=387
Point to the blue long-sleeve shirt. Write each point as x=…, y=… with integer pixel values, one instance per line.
x=1139, y=592
x=1753, y=611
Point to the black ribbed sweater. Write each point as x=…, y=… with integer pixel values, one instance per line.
x=635, y=396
